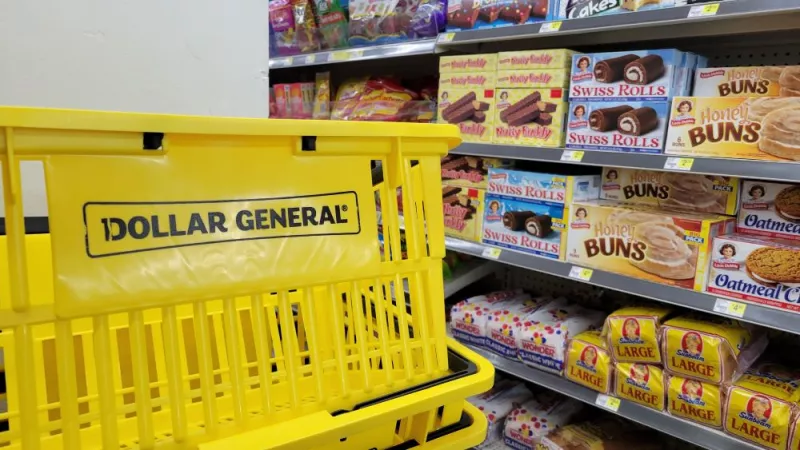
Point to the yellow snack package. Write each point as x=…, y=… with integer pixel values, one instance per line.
x=708, y=349
x=640, y=383
x=762, y=405
x=632, y=333
x=694, y=400
x=588, y=361
x=795, y=437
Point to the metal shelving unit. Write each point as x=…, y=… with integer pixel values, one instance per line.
x=410, y=48
x=465, y=275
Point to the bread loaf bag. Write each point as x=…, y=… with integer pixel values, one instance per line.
x=632, y=333
x=588, y=362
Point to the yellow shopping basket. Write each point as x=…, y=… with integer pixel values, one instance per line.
x=205, y=278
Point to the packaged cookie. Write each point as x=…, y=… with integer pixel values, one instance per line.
x=546, y=188
x=497, y=403
x=761, y=405
x=468, y=317
x=672, y=190
x=763, y=271
x=470, y=171
x=769, y=81
x=632, y=333
x=468, y=63
x=710, y=348
x=735, y=127
x=558, y=58
x=531, y=117
x=770, y=210
x=471, y=109
x=529, y=227
x=641, y=383
x=526, y=425
x=695, y=400
x=644, y=242
x=629, y=126
x=542, y=340
x=504, y=323
x=589, y=362
x=463, y=212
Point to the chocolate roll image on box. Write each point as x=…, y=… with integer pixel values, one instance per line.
x=671, y=190
x=471, y=109
x=507, y=224
x=765, y=128
x=643, y=242
x=463, y=212
x=470, y=171
x=770, y=81
x=576, y=9
x=763, y=271
x=637, y=127
x=486, y=62
x=558, y=58
x=544, y=188
x=533, y=117
x=641, y=75
x=473, y=14
x=533, y=78
x=770, y=210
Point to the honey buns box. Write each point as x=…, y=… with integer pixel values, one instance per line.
x=468, y=317
x=761, y=406
x=764, y=128
x=504, y=323
x=632, y=333
x=589, y=363
x=531, y=116
x=526, y=425
x=770, y=81
x=463, y=212
x=763, y=271
x=770, y=210
x=663, y=247
x=710, y=349
x=467, y=100
x=626, y=126
x=671, y=190
x=695, y=400
x=644, y=384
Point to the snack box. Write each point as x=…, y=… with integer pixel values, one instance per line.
x=617, y=126
x=763, y=271
x=770, y=81
x=643, y=242
x=533, y=117
x=695, y=400
x=545, y=188
x=467, y=80
x=641, y=383
x=557, y=58
x=504, y=323
x=528, y=227
x=463, y=212
x=470, y=171
x=765, y=128
x=486, y=62
x=770, y=210
x=672, y=190
x=534, y=78
x=577, y=9
x=542, y=340
x=468, y=14
x=632, y=333
x=471, y=109
x=497, y=403
x=762, y=404
x=527, y=425
x=589, y=362
x=644, y=75
x=468, y=317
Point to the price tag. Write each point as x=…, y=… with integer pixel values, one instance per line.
x=491, y=252
x=730, y=307
x=703, y=10
x=684, y=164
x=446, y=37
x=550, y=27
x=607, y=402
x=580, y=273
x=345, y=55
x=299, y=60
x=572, y=155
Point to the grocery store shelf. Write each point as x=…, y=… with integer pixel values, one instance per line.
x=764, y=170
x=421, y=47
x=681, y=429
x=731, y=17
x=464, y=275
x=759, y=315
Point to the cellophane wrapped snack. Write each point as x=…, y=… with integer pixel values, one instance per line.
x=306, y=32
x=322, y=97
x=281, y=18
x=332, y=23
x=380, y=99
x=428, y=19
x=377, y=22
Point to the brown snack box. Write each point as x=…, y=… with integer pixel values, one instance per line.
x=463, y=212
x=533, y=116
x=470, y=171
x=459, y=106
x=468, y=63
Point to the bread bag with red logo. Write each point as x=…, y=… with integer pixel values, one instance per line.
x=503, y=324
x=505, y=396
x=632, y=333
x=526, y=425
x=695, y=400
x=709, y=348
x=588, y=362
x=640, y=383
x=468, y=317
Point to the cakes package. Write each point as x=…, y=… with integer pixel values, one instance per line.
x=770, y=210
x=629, y=126
x=533, y=228
x=558, y=58
x=546, y=188
x=467, y=100
x=470, y=14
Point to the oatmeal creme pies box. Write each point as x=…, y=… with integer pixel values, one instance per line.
x=644, y=75
x=637, y=127
x=770, y=81
x=468, y=63
x=472, y=109
x=557, y=58
x=735, y=127
x=643, y=242
x=463, y=212
x=770, y=210
x=534, y=228
x=545, y=188
x=532, y=117
x=763, y=271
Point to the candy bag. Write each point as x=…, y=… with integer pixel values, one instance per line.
x=281, y=17
x=332, y=22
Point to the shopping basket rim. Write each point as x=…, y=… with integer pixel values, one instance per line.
x=86, y=120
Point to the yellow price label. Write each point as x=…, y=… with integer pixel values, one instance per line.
x=572, y=155
x=608, y=402
x=491, y=252
x=730, y=307
x=581, y=273
x=446, y=37
x=683, y=164
x=340, y=56
x=550, y=27
x=710, y=10
x=704, y=10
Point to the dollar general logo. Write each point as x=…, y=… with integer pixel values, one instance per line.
x=116, y=228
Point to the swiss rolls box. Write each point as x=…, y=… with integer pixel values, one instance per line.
x=628, y=126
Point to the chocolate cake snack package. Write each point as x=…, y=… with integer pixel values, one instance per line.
x=589, y=362
x=671, y=190
x=469, y=108
x=632, y=333
x=762, y=271
x=463, y=212
x=535, y=60
x=695, y=400
x=770, y=81
x=766, y=128
x=769, y=210
x=576, y=9
x=640, y=383
x=470, y=171
x=472, y=14
x=630, y=126
x=468, y=317
x=644, y=242
x=532, y=117
x=643, y=75
x=504, y=225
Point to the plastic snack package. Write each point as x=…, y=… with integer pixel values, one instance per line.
x=383, y=100
x=322, y=97
x=376, y=22
x=307, y=33
x=301, y=100
x=347, y=98
x=695, y=400
x=589, y=362
x=281, y=18
x=428, y=20
x=641, y=383
x=282, y=105
x=632, y=333
x=332, y=23
x=526, y=425
x=503, y=324
x=468, y=317
x=504, y=397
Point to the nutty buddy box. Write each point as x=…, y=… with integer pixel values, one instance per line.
x=534, y=78
x=486, y=62
x=535, y=59
x=770, y=210
x=463, y=212
x=472, y=109
x=469, y=171
x=529, y=117
x=617, y=126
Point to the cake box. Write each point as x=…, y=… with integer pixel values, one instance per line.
x=463, y=212
x=472, y=109
x=529, y=227
x=770, y=210
x=533, y=117
x=469, y=14
x=576, y=9
x=617, y=126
